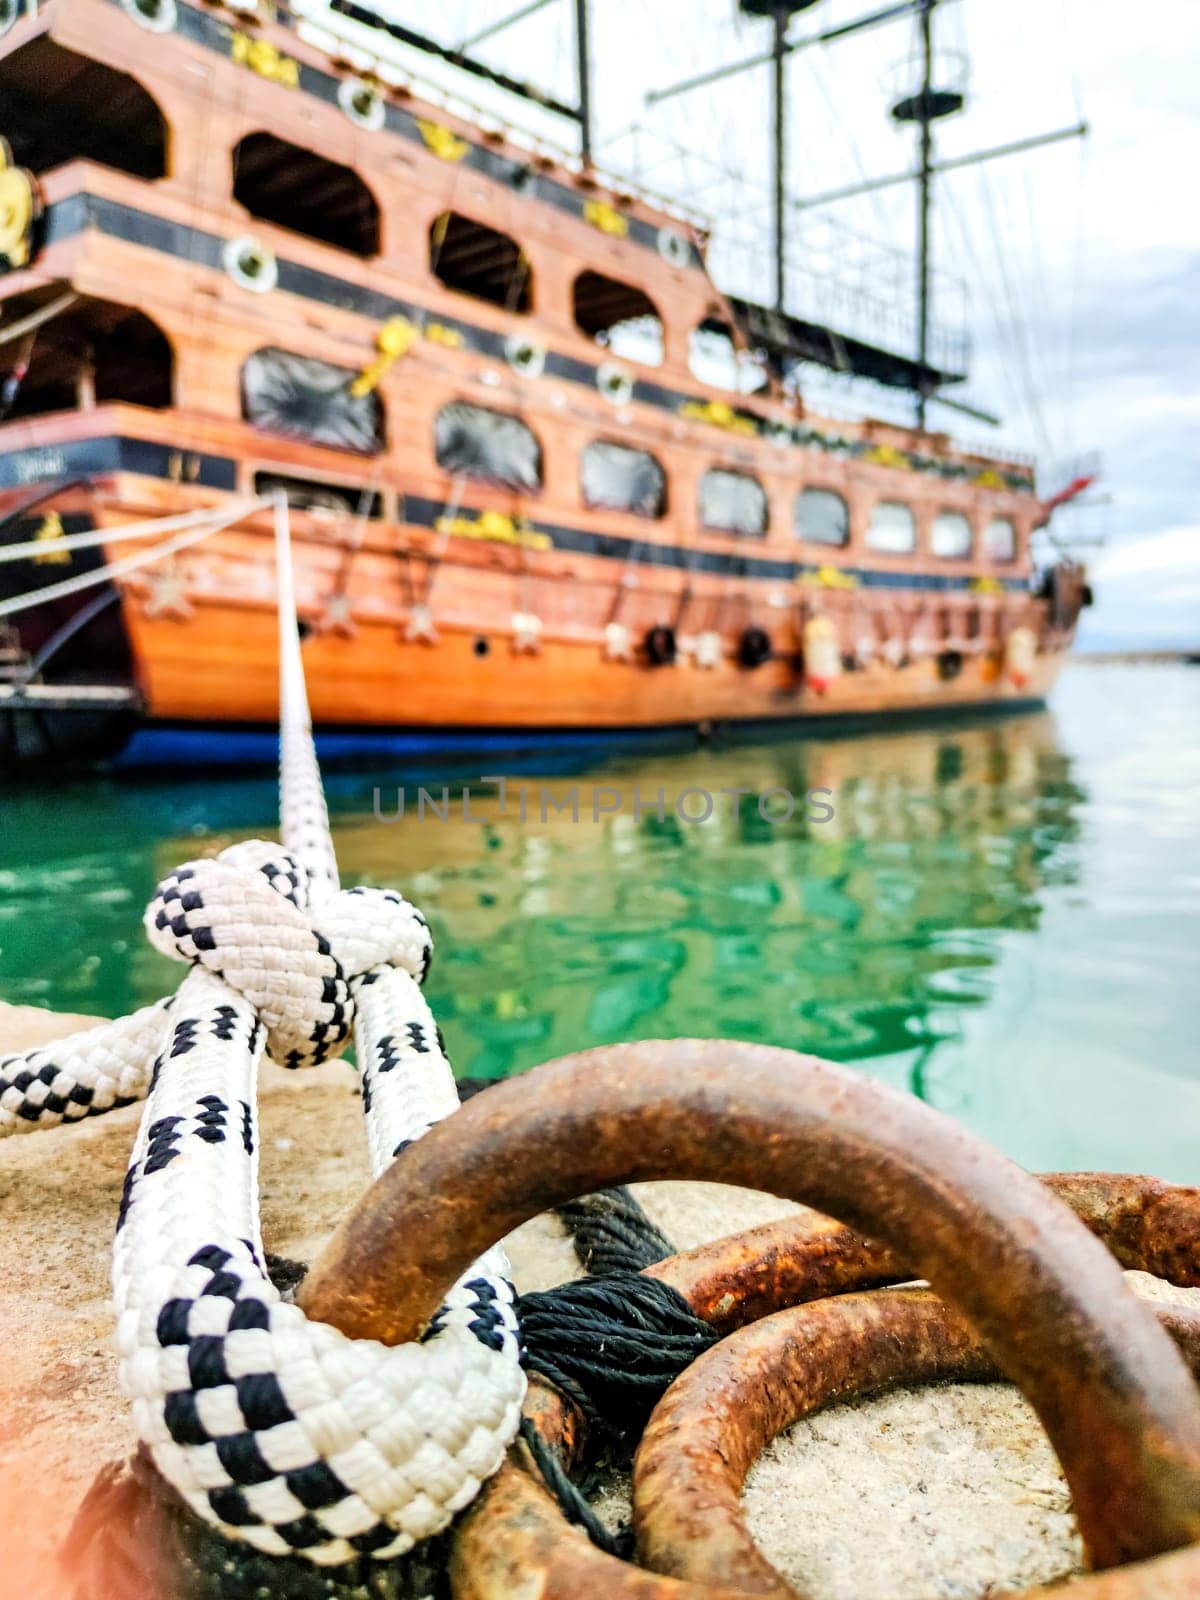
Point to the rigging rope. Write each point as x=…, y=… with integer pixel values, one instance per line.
x=36, y=319
x=131, y=530
x=116, y=569
x=281, y=1432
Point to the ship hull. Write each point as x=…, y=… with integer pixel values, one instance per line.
x=375, y=678
x=195, y=675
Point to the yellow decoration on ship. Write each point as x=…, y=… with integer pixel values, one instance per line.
x=392, y=341
x=446, y=146
x=50, y=532
x=830, y=578
x=495, y=527
x=448, y=338
x=886, y=455
x=720, y=414
x=605, y=217
x=989, y=478
x=18, y=208
x=987, y=586
x=262, y=57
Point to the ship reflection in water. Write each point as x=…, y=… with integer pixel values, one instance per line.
x=863, y=937
x=996, y=917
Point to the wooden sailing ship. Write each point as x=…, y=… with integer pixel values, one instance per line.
x=242, y=263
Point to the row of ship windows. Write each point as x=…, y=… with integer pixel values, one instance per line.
x=301, y=397
x=116, y=122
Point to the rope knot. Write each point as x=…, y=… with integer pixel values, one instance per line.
x=247, y=916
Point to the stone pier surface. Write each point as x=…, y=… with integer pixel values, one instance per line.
x=946, y=1493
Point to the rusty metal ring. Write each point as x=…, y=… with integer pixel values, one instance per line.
x=714, y=1421
x=515, y=1534
x=1144, y=1222
x=1111, y=1390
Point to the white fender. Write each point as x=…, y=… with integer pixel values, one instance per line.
x=1019, y=655
x=822, y=653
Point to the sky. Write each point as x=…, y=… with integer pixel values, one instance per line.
x=1080, y=264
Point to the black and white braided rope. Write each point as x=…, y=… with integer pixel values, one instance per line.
x=280, y=1431
x=83, y=1075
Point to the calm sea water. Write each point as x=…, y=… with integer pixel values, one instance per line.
x=1003, y=918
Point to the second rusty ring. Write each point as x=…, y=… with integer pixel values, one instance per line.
x=1112, y=1392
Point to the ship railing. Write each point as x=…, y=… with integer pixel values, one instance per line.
x=316, y=27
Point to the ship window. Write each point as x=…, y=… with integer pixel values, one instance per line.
x=891, y=528
x=309, y=399
x=489, y=445
x=619, y=478
x=1000, y=540
x=320, y=497
x=92, y=353
x=56, y=106
x=619, y=317
x=715, y=360
x=477, y=260
x=733, y=502
x=822, y=517
x=306, y=193
x=951, y=534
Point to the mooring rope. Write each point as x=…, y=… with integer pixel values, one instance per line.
x=611, y=1233
x=280, y=1431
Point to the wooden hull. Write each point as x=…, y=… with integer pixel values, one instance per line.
x=200, y=631
x=222, y=666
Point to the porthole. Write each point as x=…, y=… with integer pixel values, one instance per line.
x=673, y=247
x=614, y=383
x=525, y=356
x=250, y=264
x=362, y=103
x=10, y=15
x=156, y=15
x=481, y=647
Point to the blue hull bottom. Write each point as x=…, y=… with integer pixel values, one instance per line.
x=177, y=746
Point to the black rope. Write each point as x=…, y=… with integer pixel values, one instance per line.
x=571, y=1501
x=611, y=1232
x=612, y=1344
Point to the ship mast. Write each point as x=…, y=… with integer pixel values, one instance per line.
x=583, y=67
x=925, y=108
x=927, y=105
x=781, y=13
x=925, y=190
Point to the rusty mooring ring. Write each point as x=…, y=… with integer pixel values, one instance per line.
x=1111, y=1390
x=1144, y=1222
x=515, y=1531
x=713, y=1422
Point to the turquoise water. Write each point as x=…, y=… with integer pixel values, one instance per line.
x=1002, y=918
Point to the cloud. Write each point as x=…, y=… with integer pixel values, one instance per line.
x=1147, y=593
x=1175, y=552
